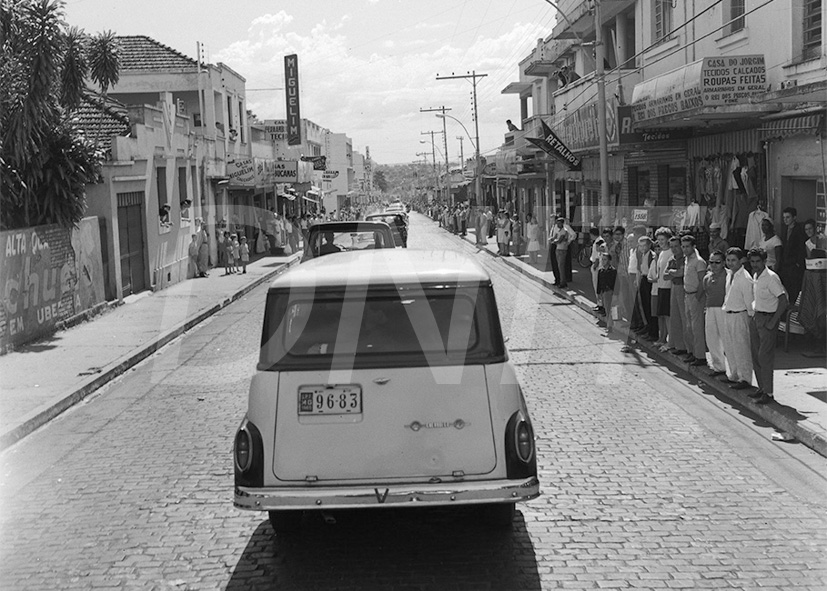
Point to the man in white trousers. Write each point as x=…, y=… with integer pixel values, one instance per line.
x=737, y=311
x=714, y=288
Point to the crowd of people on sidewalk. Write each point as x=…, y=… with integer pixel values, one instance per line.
x=728, y=302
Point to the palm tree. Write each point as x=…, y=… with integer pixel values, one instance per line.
x=105, y=65
x=45, y=160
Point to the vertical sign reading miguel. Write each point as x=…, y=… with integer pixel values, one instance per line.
x=291, y=79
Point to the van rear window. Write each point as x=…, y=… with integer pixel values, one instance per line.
x=388, y=327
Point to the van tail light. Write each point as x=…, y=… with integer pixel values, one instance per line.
x=243, y=449
x=520, y=453
x=248, y=455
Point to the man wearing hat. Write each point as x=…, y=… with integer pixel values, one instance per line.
x=715, y=240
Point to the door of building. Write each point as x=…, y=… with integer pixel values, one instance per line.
x=131, y=242
x=801, y=194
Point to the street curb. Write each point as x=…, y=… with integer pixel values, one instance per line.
x=49, y=411
x=783, y=418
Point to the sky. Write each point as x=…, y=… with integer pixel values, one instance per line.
x=366, y=67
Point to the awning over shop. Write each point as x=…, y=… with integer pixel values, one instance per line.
x=306, y=198
x=713, y=89
x=790, y=126
x=288, y=196
x=735, y=142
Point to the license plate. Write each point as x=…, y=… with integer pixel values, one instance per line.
x=330, y=400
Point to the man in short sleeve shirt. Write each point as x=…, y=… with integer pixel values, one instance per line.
x=694, y=271
x=739, y=309
x=769, y=304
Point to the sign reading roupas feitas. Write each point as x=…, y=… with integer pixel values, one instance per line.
x=551, y=144
x=291, y=84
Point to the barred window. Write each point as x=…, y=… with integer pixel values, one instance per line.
x=663, y=19
x=734, y=16
x=812, y=29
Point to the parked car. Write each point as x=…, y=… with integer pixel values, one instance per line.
x=383, y=381
x=398, y=223
x=332, y=237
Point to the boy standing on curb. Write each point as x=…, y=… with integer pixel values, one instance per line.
x=737, y=311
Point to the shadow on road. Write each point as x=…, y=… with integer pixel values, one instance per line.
x=390, y=549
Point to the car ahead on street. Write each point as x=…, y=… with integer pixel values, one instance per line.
x=397, y=222
x=383, y=381
x=334, y=237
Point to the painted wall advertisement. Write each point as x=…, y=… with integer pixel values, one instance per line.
x=47, y=274
x=710, y=82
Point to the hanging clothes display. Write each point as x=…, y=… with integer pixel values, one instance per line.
x=754, y=234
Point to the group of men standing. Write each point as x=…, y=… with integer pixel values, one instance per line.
x=729, y=305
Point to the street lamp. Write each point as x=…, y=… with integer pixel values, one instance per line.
x=477, y=175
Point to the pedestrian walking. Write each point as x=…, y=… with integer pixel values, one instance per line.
x=738, y=311
x=694, y=271
x=770, y=301
x=516, y=235
x=532, y=230
x=503, y=233
x=714, y=290
x=229, y=260
x=203, y=253
x=606, y=278
x=244, y=251
x=192, y=252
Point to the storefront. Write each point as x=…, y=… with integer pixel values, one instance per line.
x=717, y=175
x=796, y=161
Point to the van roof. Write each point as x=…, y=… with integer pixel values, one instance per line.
x=383, y=267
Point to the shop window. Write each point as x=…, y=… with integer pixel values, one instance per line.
x=811, y=30
x=734, y=19
x=241, y=121
x=662, y=20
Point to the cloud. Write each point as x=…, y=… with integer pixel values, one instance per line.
x=374, y=96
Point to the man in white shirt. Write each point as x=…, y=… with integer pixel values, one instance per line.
x=738, y=310
x=694, y=271
x=769, y=304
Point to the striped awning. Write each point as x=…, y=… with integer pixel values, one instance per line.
x=743, y=141
x=782, y=128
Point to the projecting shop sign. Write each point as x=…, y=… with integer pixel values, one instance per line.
x=291, y=83
x=710, y=82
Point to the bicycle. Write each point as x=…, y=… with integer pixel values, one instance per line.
x=584, y=252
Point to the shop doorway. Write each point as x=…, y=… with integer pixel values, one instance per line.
x=131, y=242
x=801, y=194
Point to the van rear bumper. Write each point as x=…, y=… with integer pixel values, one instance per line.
x=342, y=497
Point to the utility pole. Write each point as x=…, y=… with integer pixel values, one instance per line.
x=600, y=53
x=442, y=110
x=461, y=156
x=477, y=172
x=433, y=155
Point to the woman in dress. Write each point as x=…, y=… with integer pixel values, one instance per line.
x=482, y=238
x=516, y=235
x=532, y=233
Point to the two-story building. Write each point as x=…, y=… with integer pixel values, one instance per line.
x=692, y=98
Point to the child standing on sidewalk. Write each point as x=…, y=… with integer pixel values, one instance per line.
x=606, y=277
x=229, y=260
x=244, y=249
x=236, y=253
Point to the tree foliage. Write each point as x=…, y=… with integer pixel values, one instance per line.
x=46, y=160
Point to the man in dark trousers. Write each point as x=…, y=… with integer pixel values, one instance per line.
x=793, y=253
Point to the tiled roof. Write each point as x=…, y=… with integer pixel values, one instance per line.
x=114, y=122
x=142, y=53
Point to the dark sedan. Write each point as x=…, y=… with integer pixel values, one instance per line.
x=397, y=223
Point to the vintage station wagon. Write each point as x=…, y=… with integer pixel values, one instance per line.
x=383, y=381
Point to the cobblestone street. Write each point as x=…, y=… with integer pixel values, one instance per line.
x=648, y=481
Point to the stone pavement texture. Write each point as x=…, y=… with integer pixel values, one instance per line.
x=42, y=379
x=800, y=407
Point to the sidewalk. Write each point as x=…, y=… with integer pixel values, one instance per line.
x=42, y=379
x=800, y=407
